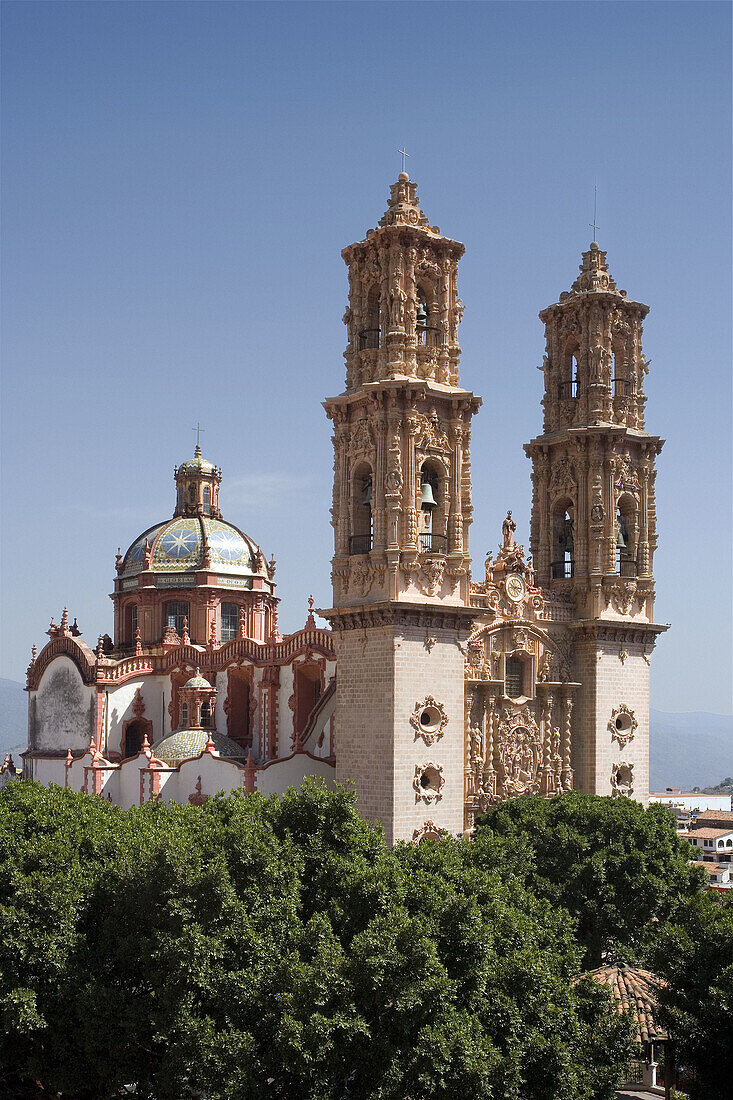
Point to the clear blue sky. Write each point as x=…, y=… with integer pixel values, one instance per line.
x=179, y=180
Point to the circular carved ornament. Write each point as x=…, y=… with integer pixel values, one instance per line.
x=429, y=719
x=514, y=586
x=622, y=724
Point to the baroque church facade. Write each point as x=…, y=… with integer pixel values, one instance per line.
x=435, y=693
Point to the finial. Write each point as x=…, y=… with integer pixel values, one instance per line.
x=65, y=621
x=213, y=641
x=403, y=153
x=275, y=635
x=242, y=623
x=209, y=746
x=138, y=643
x=118, y=560
x=100, y=648
x=185, y=639
x=310, y=622
x=69, y=758
x=75, y=628
x=34, y=652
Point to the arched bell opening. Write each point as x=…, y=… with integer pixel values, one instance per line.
x=563, y=539
x=426, y=327
x=626, y=536
x=623, y=385
x=237, y=706
x=432, y=508
x=569, y=383
x=360, y=541
x=370, y=334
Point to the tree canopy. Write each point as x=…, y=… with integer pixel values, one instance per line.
x=618, y=869
x=278, y=948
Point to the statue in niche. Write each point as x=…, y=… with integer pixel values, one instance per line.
x=399, y=299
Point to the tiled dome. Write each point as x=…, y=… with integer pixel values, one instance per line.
x=178, y=545
x=184, y=744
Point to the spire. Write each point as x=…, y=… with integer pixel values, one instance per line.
x=403, y=207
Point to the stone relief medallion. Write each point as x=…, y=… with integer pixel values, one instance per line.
x=519, y=753
x=622, y=778
x=432, y=571
x=428, y=782
x=429, y=719
x=514, y=586
x=622, y=724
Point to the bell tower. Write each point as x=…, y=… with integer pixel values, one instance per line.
x=401, y=513
x=594, y=526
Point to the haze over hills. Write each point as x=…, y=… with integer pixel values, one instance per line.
x=687, y=750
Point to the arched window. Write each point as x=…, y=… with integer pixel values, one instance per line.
x=134, y=737
x=175, y=612
x=229, y=622
x=563, y=540
x=130, y=623
x=431, y=502
x=184, y=715
x=207, y=499
x=361, y=510
x=514, y=678
x=206, y=714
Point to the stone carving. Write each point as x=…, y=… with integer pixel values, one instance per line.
x=626, y=477
x=622, y=778
x=622, y=595
x=432, y=571
x=563, y=478
x=622, y=724
x=428, y=831
x=518, y=751
x=428, y=782
x=429, y=642
x=429, y=719
x=362, y=439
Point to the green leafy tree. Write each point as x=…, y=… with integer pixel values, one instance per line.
x=695, y=956
x=618, y=869
x=277, y=948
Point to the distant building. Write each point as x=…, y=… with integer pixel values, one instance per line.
x=711, y=844
x=694, y=801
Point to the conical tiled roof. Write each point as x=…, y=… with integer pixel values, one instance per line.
x=634, y=991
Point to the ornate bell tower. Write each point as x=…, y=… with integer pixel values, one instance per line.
x=401, y=513
x=593, y=527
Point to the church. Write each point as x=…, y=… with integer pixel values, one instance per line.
x=436, y=692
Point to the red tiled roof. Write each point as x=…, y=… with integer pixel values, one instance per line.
x=711, y=834
x=716, y=818
x=634, y=991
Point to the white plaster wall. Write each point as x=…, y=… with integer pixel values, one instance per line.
x=278, y=776
x=62, y=709
x=50, y=771
x=217, y=774
x=220, y=718
x=119, y=707
x=285, y=714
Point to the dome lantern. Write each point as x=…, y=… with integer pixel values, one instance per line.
x=197, y=484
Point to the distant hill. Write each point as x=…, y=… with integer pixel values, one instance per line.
x=690, y=750
x=13, y=719
x=687, y=750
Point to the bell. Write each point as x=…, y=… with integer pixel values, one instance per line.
x=422, y=316
x=621, y=540
x=428, y=501
x=367, y=493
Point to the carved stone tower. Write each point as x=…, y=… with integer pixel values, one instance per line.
x=593, y=528
x=401, y=513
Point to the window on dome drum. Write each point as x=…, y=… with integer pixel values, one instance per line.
x=514, y=677
x=206, y=714
x=184, y=714
x=175, y=612
x=229, y=622
x=130, y=623
x=207, y=500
